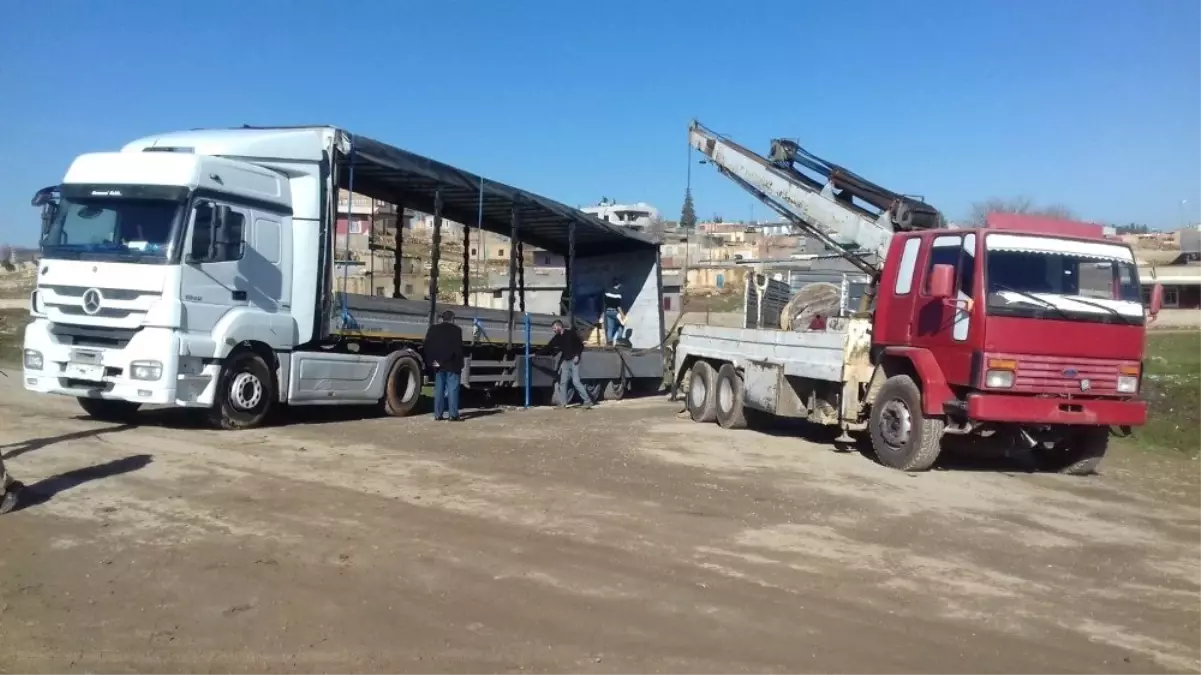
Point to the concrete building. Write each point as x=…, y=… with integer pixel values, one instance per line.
x=639, y=216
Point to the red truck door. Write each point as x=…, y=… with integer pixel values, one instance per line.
x=946, y=327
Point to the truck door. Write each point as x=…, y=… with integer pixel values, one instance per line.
x=941, y=326
x=215, y=245
x=234, y=257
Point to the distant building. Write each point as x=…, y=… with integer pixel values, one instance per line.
x=638, y=216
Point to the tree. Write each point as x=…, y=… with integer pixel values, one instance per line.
x=688, y=213
x=1021, y=205
x=656, y=228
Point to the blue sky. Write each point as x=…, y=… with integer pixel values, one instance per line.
x=1095, y=104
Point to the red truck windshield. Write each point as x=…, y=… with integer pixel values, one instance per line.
x=1038, y=276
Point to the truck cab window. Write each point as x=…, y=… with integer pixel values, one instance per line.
x=204, y=230
x=950, y=251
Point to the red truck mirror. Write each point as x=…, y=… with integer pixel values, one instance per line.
x=942, y=281
x=1156, y=300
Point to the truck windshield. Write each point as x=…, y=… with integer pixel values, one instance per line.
x=121, y=230
x=1071, y=285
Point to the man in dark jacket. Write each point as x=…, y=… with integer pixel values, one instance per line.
x=9, y=490
x=444, y=356
x=568, y=345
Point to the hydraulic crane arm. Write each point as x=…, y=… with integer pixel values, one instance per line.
x=825, y=211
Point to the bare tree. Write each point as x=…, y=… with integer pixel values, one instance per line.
x=656, y=227
x=1021, y=205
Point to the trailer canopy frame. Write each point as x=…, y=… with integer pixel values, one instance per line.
x=402, y=177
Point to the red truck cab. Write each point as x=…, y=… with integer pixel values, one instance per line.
x=1030, y=327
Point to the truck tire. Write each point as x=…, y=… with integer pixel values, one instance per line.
x=109, y=411
x=729, y=396
x=245, y=393
x=402, y=390
x=1078, y=455
x=902, y=436
x=702, y=393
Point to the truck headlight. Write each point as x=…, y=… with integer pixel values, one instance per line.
x=146, y=370
x=998, y=379
x=32, y=359
x=1127, y=384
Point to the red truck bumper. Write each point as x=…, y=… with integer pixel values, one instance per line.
x=1032, y=410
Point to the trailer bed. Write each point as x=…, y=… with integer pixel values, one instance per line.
x=818, y=355
x=402, y=319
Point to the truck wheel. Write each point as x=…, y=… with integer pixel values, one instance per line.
x=702, y=393
x=729, y=397
x=402, y=391
x=615, y=390
x=902, y=436
x=109, y=411
x=1079, y=455
x=245, y=393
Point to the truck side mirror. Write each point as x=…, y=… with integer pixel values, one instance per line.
x=1156, y=300
x=942, y=281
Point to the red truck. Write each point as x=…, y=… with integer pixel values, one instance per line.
x=1028, y=333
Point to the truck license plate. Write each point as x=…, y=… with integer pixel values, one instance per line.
x=85, y=371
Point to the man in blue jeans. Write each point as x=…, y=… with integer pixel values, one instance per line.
x=568, y=345
x=612, y=310
x=444, y=354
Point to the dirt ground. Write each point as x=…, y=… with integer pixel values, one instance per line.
x=622, y=539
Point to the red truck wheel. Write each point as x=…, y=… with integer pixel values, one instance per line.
x=702, y=393
x=1079, y=454
x=902, y=436
x=729, y=397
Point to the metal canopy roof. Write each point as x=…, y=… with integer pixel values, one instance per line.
x=409, y=180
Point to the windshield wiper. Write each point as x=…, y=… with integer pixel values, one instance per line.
x=1097, y=304
x=1044, y=303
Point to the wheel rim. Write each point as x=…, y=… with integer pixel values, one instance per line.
x=725, y=395
x=697, y=393
x=896, y=423
x=246, y=391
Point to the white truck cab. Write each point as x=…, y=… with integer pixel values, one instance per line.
x=161, y=259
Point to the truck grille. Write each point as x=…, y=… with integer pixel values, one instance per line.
x=93, y=336
x=1063, y=375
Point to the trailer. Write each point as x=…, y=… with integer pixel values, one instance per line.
x=200, y=269
x=1026, y=333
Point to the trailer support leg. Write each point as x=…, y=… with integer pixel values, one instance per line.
x=435, y=255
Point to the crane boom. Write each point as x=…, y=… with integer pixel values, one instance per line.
x=826, y=211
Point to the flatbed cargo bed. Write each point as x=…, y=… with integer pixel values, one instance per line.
x=402, y=319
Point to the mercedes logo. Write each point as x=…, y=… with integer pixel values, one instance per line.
x=92, y=300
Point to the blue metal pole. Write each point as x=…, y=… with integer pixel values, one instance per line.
x=527, y=360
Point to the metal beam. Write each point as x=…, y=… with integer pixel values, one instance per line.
x=435, y=255
x=466, y=263
x=569, y=270
x=514, y=229
x=398, y=250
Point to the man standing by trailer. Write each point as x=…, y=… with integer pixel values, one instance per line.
x=613, y=313
x=10, y=490
x=568, y=345
x=444, y=355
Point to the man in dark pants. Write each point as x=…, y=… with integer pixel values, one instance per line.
x=568, y=345
x=613, y=313
x=10, y=490
x=444, y=355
